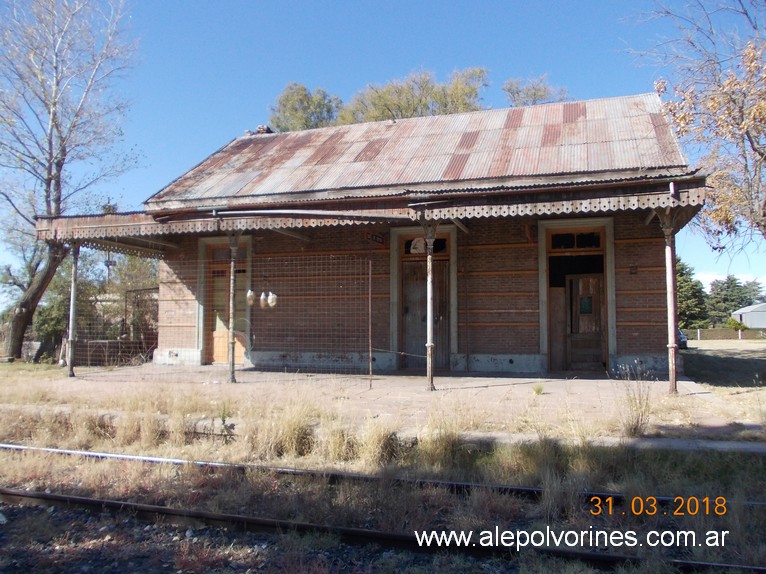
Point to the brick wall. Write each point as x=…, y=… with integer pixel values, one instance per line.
x=178, y=297
x=498, y=301
x=322, y=308
x=640, y=285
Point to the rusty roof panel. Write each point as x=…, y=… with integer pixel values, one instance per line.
x=488, y=140
x=554, y=114
x=468, y=141
x=514, y=119
x=551, y=134
x=599, y=156
x=454, y=169
x=535, y=115
x=524, y=161
x=492, y=120
x=479, y=164
x=572, y=157
x=501, y=162
x=426, y=168
x=573, y=112
x=371, y=150
x=529, y=136
x=627, y=134
x=548, y=160
x=575, y=133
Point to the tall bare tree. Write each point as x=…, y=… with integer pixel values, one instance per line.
x=718, y=91
x=59, y=126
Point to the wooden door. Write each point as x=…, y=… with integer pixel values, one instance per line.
x=217, y=320
x=413, y=313
x=585, y=322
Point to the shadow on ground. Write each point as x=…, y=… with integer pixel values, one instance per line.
x=745, y=368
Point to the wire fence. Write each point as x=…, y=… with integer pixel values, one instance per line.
x=291, y=314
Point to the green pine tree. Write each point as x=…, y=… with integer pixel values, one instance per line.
x=692, y=299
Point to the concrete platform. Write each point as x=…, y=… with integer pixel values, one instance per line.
x=586, y=407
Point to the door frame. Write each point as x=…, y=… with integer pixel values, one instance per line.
x=543, y=227
x=395, y=285
x=203, y=277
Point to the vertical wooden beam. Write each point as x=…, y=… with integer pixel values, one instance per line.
x=666, y=222
x=233, y=247
x=72, y=328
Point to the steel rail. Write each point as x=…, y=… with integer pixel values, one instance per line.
x=335, y=477
x=352, y=536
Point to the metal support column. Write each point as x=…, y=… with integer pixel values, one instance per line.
x=666, y=221
x=430, y=236
x=233, y=246
x=72, y=327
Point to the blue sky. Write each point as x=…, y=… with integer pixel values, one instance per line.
x=208, y=70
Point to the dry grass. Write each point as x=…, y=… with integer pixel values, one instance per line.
x=321, y=429
x=637, y=408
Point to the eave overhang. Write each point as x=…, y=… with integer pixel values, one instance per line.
x=152, y=234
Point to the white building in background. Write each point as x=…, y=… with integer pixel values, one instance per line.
x=754, y=316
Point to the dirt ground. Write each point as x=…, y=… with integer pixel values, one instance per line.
x=724, y=400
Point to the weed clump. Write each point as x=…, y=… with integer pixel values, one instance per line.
x=636, y=408
x=379, y=446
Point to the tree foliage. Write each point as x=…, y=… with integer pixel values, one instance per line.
x=59, y=123
x=719, y=102
x=529, y=92
x=692, y=299
x=418, y=95
x=298, y=108
x=728, y=295
x=52, y=318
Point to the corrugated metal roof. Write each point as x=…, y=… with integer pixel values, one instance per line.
x=625, y=136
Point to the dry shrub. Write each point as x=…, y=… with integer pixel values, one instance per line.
x=295, y=431
x=637, y=408
x=152, y=430
x=92, y=429
x=486, y=506
x=178, y=429
x=289, y=433
x=128, y=429
x=379, y=445
x=440, y=450
x=18, y=426
x=52, y=429
x=341, y=445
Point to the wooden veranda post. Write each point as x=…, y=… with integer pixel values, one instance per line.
x=72, y=327
x=666, y=221
x=233, y=246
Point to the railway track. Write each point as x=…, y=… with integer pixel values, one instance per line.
x=334, y=477
x=351, y=536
